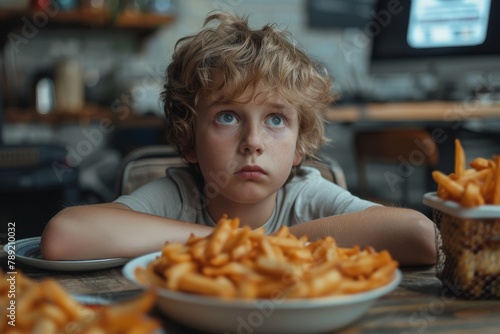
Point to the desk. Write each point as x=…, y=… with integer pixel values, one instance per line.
x=421, y=304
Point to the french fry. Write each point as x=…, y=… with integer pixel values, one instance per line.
x=472, y=196
x=480, y=163
x=276, y=268
x=175, y=273
x=459, y=159
x=197, y=250
x=471, y=187
x=350, y=285
x=268, y=250
x=241, y=250
x=58, y=316
x=453, y=188
x=44, y=326
x=234, y=269
x=238, y=238
x=237, y=262
x=220, y=259
x=56, y=294
x=218, y=239
x=324, y=284
x=487, y=186
x=495, y=199
x=197, y=283
x=48, y=309
x=474, y=176
x=148, y=277
x=173, y=253
x=25, y=304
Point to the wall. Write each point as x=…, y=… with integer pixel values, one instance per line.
x=331, y=47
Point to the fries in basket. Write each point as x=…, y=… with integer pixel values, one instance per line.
x=470, y=187
x=45, y=307
x=235, y=262
x=470, y=246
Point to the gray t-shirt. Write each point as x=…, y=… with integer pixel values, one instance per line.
x=307, y=196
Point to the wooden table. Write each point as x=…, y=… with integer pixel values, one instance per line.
x=421, y=304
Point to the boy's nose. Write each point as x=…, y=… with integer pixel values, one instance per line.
x=251, y=141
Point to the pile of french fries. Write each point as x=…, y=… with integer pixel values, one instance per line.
x=45, y=307
x=237, y=262
x=471, y=187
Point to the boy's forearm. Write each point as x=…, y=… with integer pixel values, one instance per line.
x=407, y=234
x=110, y=230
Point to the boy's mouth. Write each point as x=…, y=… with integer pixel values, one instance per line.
x=251, y=172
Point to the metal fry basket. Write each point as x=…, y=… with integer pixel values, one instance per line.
x=469, y=248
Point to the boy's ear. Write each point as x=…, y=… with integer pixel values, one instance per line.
x=297, y=159
x=191, y=156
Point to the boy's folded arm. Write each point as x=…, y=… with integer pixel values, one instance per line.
x=407, y=234
x=114, y=230
x=110, y=230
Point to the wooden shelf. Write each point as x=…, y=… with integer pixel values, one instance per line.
x=138, y=25
x=94, y=17
x=89, y=114
x=428, y=111
x=151, y=20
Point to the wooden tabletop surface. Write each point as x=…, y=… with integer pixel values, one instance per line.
x=421, y=304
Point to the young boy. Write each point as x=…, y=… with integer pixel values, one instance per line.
x=244, y=108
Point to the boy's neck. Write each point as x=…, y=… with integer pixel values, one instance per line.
x=253, y=215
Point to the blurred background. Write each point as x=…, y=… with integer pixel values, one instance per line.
x=80, y=84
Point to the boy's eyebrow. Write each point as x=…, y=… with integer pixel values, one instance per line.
x=279, y=106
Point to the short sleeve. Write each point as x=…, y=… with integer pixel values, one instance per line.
x=160, y=197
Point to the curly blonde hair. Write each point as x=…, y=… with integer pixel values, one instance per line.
x=241, y=58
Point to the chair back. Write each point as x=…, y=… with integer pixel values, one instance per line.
x=145, y=164
x=329, y=168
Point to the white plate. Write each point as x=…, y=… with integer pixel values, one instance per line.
x=28, y=253
x=455, y=209
x=262, y=315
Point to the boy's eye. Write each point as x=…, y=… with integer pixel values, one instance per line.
x=276, y=121
x=226, y=117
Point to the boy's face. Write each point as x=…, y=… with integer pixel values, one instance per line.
x=245, y=148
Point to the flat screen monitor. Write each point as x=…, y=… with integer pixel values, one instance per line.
x=450, y=40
